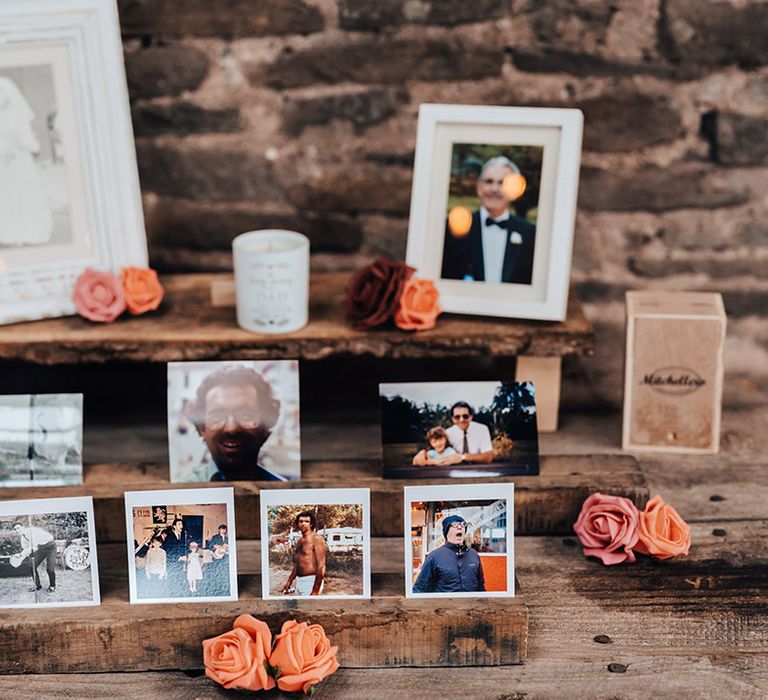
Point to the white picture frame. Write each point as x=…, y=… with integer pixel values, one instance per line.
x=69, y=153
x=486, y=496
x=40, y=513
x=556, y=135
x=196, y=501
x=314, y=497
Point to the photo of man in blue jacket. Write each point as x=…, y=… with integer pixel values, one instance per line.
x=453, y=567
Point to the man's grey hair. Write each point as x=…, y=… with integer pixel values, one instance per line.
x=499, y=160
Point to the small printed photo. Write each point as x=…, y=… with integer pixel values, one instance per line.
x=316, y=543
x=234, y=421
x=458, y=429
x=459, y=540
x=493, y=202
x=181, y=545
x=48, y=553
x=41, y=440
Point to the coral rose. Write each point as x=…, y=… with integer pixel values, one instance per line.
x=662, y=532
x=142, y=288
x=237, y=659
x=419, y=306
x=303, y=656
x=373, y=294
x=98, y=296
x=607, y=527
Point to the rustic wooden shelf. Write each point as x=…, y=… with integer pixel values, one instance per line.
x=189, y=327
x=386, y=631
x=544, y=504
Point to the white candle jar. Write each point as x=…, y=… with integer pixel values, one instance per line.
x=271, y=280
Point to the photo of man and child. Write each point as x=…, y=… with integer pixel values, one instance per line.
x=458, y=429
x=181, y=552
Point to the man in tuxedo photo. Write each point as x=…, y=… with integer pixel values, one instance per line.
x=498, y=248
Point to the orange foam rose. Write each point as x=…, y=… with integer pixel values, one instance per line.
x=236, y=658
x=303, y=656
x=142, y=289
x=419, y=307
x=662, y=533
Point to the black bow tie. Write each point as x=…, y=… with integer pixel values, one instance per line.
x=501, y=223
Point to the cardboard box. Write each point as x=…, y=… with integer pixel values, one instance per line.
x=673, y=376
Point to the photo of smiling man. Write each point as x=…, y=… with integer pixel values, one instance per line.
x=490, y=230
x=234, y=421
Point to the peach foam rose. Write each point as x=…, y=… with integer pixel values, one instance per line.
x=662, y=532
x=303, y=656
x=98, y=296
x=142, y=289
x=419, y=307
x=607, y=527
x=236, y=659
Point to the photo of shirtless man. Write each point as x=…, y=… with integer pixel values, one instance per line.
x=307, y=577
x=317, y=543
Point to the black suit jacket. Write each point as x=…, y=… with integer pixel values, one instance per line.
x=463, y=257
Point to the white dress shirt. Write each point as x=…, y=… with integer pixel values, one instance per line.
x=478, y=438
x=34, y=537
x=494, y=246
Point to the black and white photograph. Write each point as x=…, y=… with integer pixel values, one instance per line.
x=318, y=543
x=48, y=553
x=69, y=190
x=234, y=421
x=458, y=429
x=41, y=440
x=459, y=540
x=493, y=207
x=181, y=545
x=34, y=196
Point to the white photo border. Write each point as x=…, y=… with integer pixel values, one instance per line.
x=182, y=497
x=297, y=497
x=547, y=298
x=40, y=506
x=90, y=31
x=461, y=492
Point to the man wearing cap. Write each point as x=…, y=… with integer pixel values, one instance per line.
x=454, y=567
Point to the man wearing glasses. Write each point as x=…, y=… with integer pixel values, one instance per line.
x=454, y=567
x=472, y=440
x=235, y=413
x=498, y=248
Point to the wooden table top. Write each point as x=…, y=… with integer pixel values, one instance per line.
x=189, y=327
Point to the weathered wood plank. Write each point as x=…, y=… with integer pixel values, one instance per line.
x=732, y=675
x=385, y=631
x=189, y=327
x=548, y=503
x=671, y=635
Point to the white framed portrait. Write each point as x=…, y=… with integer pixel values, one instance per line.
x=69, y=186
x=493, y=206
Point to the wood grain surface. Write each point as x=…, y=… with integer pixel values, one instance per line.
x=189, y=327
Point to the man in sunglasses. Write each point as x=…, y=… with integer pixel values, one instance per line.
x=235, y=413
x=454, y=567
x=472, y=440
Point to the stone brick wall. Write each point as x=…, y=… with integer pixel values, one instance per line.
x=302, y=114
